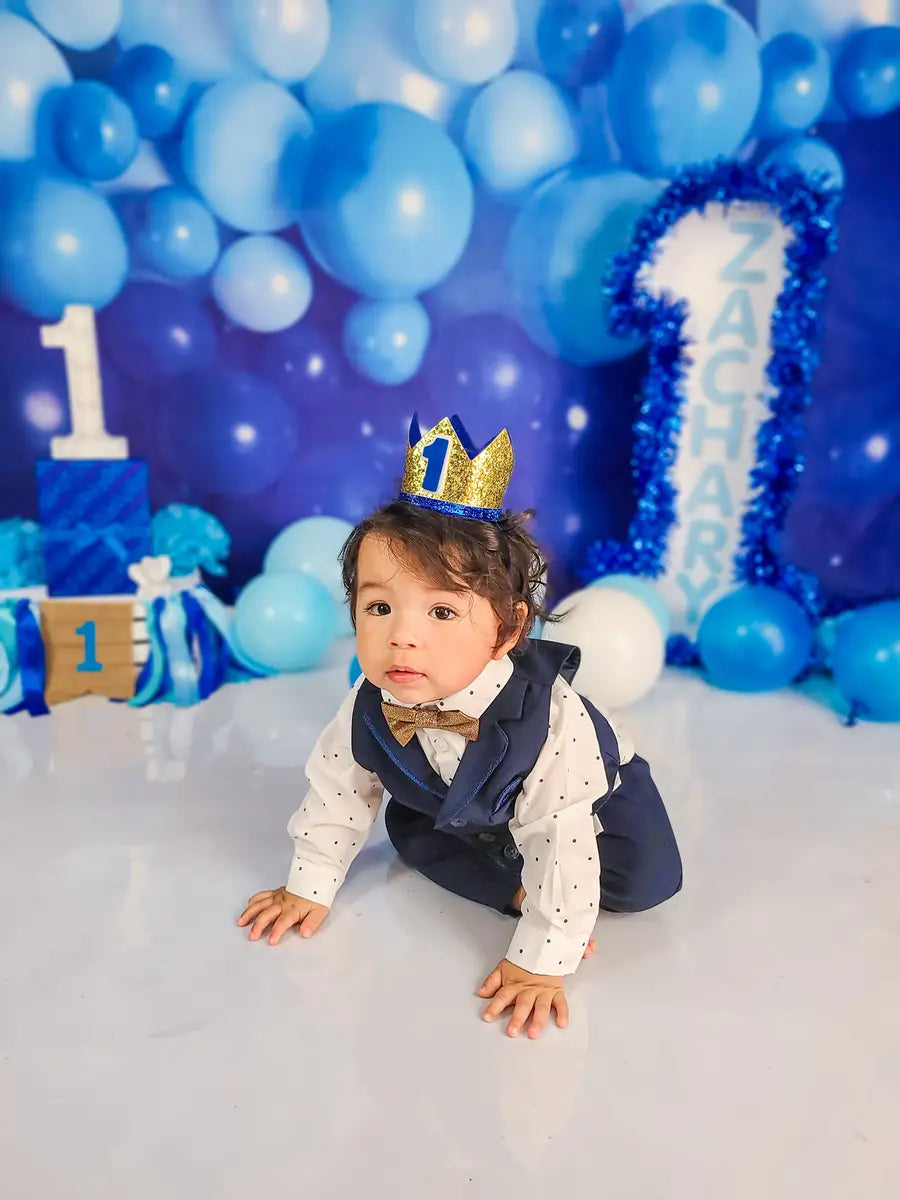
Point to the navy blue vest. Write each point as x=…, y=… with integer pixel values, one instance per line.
x=481, y=799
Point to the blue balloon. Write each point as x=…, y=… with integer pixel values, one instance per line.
x=815, y=158
x=754, y=639
x=305, y=364
x=157, y=331
x=197, y=33
x=644, y=590
x=866, y=660
x=867, y=72
x=96, y=133
x=31, y=68
x=284, y=40
x=386, y=339
x=519, y=130
x=355, y=670
x=262, y=283
x=285, y=620
x=560, y=249
x=155, y=88
x=578, y=40
x=60, y=243
x=244, y=149
x=387, y=206
x=178, y=235
x=466, y=41
x=78, y=24
x=796, y=80
x=826, y=21
x=685, y=87
x=313, y=545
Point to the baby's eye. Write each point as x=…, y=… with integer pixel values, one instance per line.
x=378, y=608
x=442, y=613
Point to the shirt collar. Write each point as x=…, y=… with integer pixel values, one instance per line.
x=477, y=696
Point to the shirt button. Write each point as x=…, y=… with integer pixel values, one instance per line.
x=440, y=744
x=486, y=837
x=457, y=823
x=510, y=851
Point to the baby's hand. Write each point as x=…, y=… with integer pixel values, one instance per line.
x=511, y=985
x=285, y=910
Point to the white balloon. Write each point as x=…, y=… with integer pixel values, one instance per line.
x=622, y=646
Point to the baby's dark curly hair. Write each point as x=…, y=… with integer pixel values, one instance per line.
x=499, y=560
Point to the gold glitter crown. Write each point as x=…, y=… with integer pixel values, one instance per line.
x=444, y=472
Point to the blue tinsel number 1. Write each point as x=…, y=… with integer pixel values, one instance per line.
x=435, y=455
x=89, y=632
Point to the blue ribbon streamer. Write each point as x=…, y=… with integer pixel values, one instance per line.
x=153, y=680
x=32, y=662
x=210, y=647
x=182, y=670
x=216, y=612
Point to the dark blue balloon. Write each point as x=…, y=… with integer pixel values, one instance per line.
x=867, y=72
x=154, y=331
x=853, y=446
x=866, y=660
x=96, y=133
x=796, y=83
x=305, y=364
x=578, y=40
x=154, y=86
x=754, y=639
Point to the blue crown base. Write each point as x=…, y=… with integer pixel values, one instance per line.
x=451, y=509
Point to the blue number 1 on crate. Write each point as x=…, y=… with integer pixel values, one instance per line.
x=89, y=632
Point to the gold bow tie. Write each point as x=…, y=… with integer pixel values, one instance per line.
x=403, y=722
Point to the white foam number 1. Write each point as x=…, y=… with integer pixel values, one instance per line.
x=76, y=336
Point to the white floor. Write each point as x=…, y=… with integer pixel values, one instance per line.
x=742, y=1041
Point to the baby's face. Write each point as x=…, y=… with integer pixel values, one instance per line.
x=414, y=640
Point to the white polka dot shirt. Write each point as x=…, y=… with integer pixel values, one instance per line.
x=553, y=825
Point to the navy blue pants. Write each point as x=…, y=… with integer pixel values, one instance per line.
x=640, y=866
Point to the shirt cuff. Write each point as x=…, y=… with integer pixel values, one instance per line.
x=546, y=950
x=313, y=881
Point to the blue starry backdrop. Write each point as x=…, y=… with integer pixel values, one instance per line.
x=300, y=221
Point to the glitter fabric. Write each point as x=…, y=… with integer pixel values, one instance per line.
x=467, y=484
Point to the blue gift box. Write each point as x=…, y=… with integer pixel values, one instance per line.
x=96, y=522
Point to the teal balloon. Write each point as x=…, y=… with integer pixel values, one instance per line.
x=285, y=620
x=387, y=207
x=355, y=670
x=796, y=81
x=244, y=150
x=262, y=283
x=96, y=133
x=31, y=68
x=78, y=24
x=754, y=640
x=286, y=40
x=813, y=157
x=519, y=130
x=178, y=235
x=560, y=249
x=867, y=72
x=466, y=41
x=60, y=243
x=866, y=660
x=644, y=590
x=313, y=545
x=385, y=340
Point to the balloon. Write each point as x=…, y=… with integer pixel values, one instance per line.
x=867, y=72
x=388, y=201
x=796, y=80
x=31, y=67
x=827, y=21
x=262, y=283
x=195, y=32
x=520, y=129
x=644, y=590
x=285, y=620
x=813, y=157
x=313, y=545
x=157, y=331
x=79, y=24
x=355, y=670
x=244, y=149
x=178, y=235
x=226, y=431
x=685, y=87
x=754, y=639
x=96, y=133
x=560, y=249
x=466, y=41
x=578, y=40
x=386, y=339
x=371, y=56
x=154, y=86
x=622, y=647
x=284, y=38
x=479, y=282
x=60, y=243
x=866, y=660
x=852, y=448
x=305, y=365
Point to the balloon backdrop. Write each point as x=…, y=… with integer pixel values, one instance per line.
x=578, y=40
x=754, y=639
x=285, y=620
x=79, y=24
x=386, y=339
x=813, y=157
x=284, y=38
x=96, y=133
x=867, y=73
x=466, y=41
x=796, y=78
x=31, y=69
x=866, y=660
x=154, y=86
x=176, y=234
x=196, y=33
x=155, y=331
x=262, y=283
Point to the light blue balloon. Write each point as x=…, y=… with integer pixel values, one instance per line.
x=178, y=235
x=197, y=33
x=388, y=202
x=795, y=87
x=31, y=67
x=685, y=87
x=245, y=148
x=60, y=243
x=313, y=545
x=466, y=41
x=386, y=339
x=263, y=283
x=286, y=41
x=827, y=21
x=355, y=670
x=866, y=660
x=285, y=620
x=96, y=133
x=79, y=24
x=559, y=252
x=867, y=72
x=644, y=590
x=754, y=639
x=815, y=158
x=519, y=130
